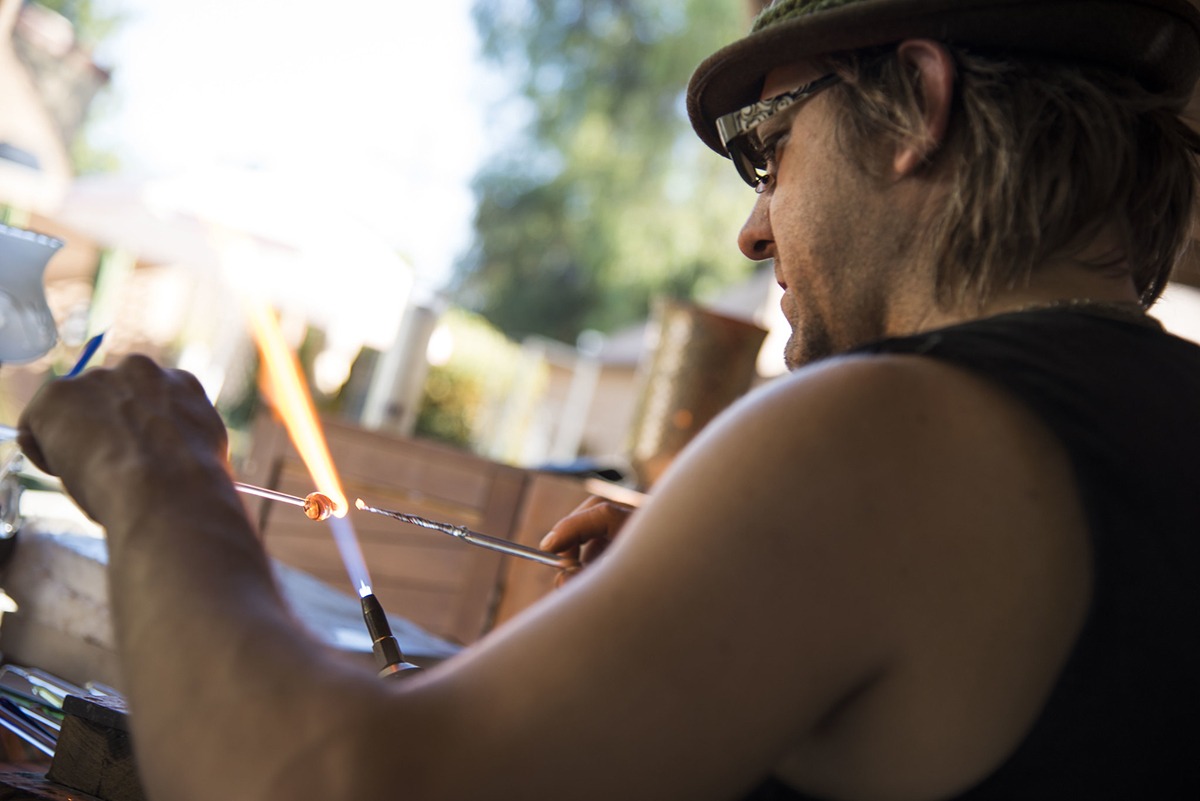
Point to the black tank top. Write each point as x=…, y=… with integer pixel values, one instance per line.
x=1123, y=720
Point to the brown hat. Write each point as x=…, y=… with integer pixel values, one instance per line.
x=1157, y=41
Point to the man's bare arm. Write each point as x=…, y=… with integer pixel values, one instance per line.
x=766, y=585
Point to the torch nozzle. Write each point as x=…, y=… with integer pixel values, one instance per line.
x=383, y=642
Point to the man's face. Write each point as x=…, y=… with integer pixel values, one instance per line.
x=820, y=218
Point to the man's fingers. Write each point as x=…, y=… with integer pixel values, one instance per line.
x=29, y=447
x=592, y=549
x=583, y=524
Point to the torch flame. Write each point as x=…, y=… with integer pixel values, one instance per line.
x=294, y=405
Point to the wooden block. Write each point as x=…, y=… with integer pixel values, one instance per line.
x=94, y=753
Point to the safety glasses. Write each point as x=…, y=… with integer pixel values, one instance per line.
x=738, y=129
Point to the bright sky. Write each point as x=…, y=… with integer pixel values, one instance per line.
x=375, y=104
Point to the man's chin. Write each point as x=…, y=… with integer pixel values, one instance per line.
x=804, y=349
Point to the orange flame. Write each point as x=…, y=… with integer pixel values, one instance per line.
x=294, y=404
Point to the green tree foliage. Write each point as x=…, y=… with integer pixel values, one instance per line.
x=461, y=395
x=92, y=22
x=605, y=198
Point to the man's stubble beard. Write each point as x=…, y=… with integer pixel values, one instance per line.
x=810, y=341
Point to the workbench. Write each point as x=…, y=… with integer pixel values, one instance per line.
x=56, y=574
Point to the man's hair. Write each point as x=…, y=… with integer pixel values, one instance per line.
x=1041, y=155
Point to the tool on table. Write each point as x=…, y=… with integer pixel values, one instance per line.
x=14, y=719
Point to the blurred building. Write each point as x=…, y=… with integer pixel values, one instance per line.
x=47, y=83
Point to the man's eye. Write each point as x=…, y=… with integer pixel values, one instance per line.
x=769, y=151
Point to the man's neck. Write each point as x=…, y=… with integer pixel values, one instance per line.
x=1060, y=282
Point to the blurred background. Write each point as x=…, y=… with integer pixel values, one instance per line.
x=463, y=213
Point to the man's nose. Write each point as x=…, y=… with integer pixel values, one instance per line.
x=756, y=240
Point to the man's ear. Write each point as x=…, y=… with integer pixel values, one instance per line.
x=936, y=70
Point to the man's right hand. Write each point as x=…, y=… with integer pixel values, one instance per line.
x=585, y=533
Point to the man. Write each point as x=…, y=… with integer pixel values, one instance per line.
x=957, y=561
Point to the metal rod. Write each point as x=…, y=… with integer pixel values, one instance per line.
x=316, y=505
x=473, y=537
x=24, y=699
x=18, y=728
x=51, y=727
x=13, y=719
x=270, y=494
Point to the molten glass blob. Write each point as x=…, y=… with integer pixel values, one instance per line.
x=318, y=506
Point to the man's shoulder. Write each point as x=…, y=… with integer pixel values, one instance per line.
x=891, y=426
x=884, y=443
x=877, y=401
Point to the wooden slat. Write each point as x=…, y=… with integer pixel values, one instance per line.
x=548, y=498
